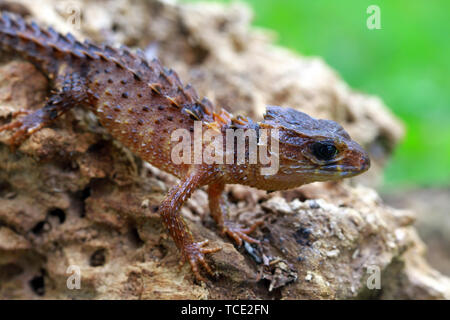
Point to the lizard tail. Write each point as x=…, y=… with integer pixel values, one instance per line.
x=48, y=49
x=42, y=47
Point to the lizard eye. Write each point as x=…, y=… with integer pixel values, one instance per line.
x=324, y=150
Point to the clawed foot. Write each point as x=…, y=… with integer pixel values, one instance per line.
x=18, y=136
x=22, y=128
x=238, y=233
x=194, y=253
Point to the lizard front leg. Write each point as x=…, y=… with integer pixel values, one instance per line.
x=191, y=251
x=218, y=208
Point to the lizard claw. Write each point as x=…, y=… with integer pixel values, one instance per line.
x=12, y=141
x=15, y=124
x=238, y=233
x=19, y=112
x=18, y=135
x=194, y=253
x=21, y=129
x=10, y=126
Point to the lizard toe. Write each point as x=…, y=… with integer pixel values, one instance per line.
x=195, y=254
x=238, y=233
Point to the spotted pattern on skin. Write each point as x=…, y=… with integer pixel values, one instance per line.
x=141, y=104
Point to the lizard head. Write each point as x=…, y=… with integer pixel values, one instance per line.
x=312, y=149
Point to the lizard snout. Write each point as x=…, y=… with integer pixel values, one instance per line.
x=364, y=163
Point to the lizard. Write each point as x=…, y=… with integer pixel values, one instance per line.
x=141, y=103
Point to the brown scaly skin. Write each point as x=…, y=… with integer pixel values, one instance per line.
x=141, y=103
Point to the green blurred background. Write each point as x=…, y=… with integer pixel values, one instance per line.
x=406, y=63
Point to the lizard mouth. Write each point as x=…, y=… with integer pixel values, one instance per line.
x=340, y=170
x=338, y=167
x=337, y=171
x=344, y=170
x=334, y=170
